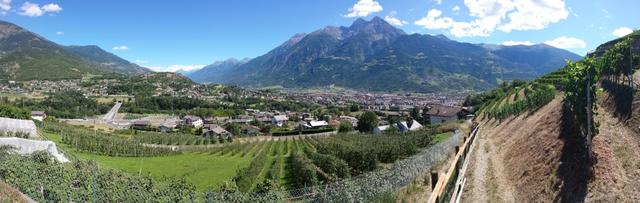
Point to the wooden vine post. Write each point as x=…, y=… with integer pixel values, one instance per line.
x=589, y=109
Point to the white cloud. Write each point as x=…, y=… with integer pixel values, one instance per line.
x=489, y=8
x=34, y=10
x=621, y=32
x=121, y=48
x=391, y=19
x=479, y=27
x=363, y=8
x=174, y=68
x=504, y=15
x=52, y=8
x=455, y=8
x=514, y=43
x=434, y=21
x=565, y=42
x=59, y=33
x=31, y=10
x=438, y=1
x=535, y=15
x=488, y=15
x=5, y=5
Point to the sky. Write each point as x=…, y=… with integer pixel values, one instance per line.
x=189, y=34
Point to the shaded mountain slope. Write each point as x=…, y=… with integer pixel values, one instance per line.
x=27, y=56
x=214, y=71
x=108, y=60
x=373, y=55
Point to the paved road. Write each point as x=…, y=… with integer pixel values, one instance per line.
x=112, y=113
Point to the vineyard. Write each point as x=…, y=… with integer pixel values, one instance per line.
x=520, y=97
x=102, y=143
x=275, y=162
x=577, y=80
x=44, y=180
x=17, y=134
x=243, y=170
x=616, y=65
x=312, y=161
x=175, y=139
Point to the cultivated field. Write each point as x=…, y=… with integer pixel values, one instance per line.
x=255, y=166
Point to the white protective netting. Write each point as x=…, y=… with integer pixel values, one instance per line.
x=25, y=146
x=15, y=125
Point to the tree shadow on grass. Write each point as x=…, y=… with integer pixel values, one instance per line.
x=574, y=170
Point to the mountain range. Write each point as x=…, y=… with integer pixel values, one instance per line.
x=368, y=55
x=376, y=56
x=25, y=55
x=214, y=71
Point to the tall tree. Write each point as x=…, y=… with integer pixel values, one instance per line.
x=367, y=122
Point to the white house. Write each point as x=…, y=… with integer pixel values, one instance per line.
x=38, y=115
x=318, y=124
x=194, y=121
x=279, y=120
x=381, y=129
x=405, y=127
x=402, y=126
x=352, y=120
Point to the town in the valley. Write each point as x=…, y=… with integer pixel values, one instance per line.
x=401, y=111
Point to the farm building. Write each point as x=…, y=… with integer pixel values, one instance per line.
x=250, y=130
x=38, y=115
x=168, y=126
x=280, y=120
x=215, y=130
x=402, y=126
x=194, y=121
x=352, y=120
x=443, y=114
x=318, y=124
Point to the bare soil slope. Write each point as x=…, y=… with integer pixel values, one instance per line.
x=9, y=194
x=539, y=157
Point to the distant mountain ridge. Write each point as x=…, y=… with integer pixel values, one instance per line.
x=96, y=54
x=211, y=72
x=28, y=56
x=375, y=56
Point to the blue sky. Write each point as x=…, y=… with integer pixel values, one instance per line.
x=170, y=35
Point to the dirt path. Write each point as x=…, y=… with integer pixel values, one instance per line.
x=515, y=160
x=484, y=184
x=475, y=189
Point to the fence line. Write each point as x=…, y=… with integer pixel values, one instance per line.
x=449, y=181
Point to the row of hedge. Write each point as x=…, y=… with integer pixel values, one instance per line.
x=303, y=132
